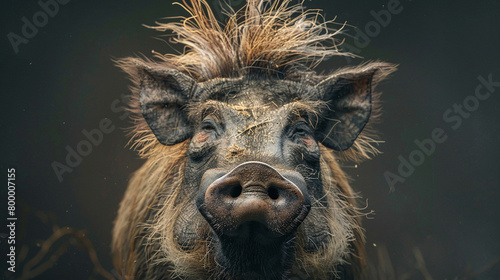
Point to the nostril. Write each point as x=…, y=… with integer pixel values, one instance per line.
x=235, y=191
x=273, y=192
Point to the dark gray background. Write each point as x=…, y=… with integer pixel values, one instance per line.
x=64, y=81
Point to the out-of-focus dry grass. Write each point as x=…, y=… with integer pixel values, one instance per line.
x=33, y=260
x=380, y=267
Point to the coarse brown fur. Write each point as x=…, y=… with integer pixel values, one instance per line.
x=275, y=39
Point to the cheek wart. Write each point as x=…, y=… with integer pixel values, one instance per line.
x=201, y=137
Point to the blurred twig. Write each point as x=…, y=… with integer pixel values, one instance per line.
x=420, y=265
x=51, y=249
x=483, y=269
x=35, y=266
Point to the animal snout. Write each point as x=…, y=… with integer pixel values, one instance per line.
x=253, y=197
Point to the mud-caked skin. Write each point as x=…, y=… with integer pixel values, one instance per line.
x=241, y=179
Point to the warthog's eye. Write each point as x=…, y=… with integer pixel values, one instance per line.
x=211, y=126
x=208, y=125
x=299, y=131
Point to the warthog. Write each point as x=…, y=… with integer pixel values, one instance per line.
x=242, y=141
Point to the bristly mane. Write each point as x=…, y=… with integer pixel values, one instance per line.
x=268, y=36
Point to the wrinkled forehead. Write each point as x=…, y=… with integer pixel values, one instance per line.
x=249, y=92
x=253, y=98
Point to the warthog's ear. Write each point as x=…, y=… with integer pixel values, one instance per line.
x=348, y=95
x=163, y=94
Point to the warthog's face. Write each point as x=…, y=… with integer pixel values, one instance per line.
x=253, y=169
x=254, y=166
